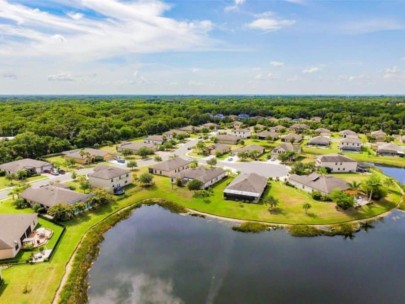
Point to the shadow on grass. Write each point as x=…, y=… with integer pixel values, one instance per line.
x=3, y=287
x=312, y=215
x=277, y=211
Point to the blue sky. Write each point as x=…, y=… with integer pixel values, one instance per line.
x=202, y=47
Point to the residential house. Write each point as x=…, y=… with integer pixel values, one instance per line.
x=242, y=133
x=32, y=166
x=292, y=137
x=170, y=167
x=190, y=129
x=247, y=187
x=390, y=149
x=134, y=147
x=173, y=133
x=88, y=155
x=249, y=149
x=277, y=128
x=14, y=229
x=237, y=124
x=336, y=163
x=316, y=119
x=267, y=135
x=299, y=128
x=284, y=148
x=319, y=141
x=155, y=139
x=378, y=135
x=315, y=182
x=218, y=149
x=208, y=176
x=258, y=127
x=110, y=178
x=323, y=132
x=351, y=143
x=49, y=196
x=346, y=133
x=227, y=139
x=210, y=125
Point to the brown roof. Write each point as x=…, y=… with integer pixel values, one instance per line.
x=322, y=130
x=155, y=138
x=108, y=172
x=202, y=174
x=175, y=132
x=288, y=147
x=347, y=132
x=390, y=147
x=220, y=147
x=232, y=138
x=351, y=140
x=335, y=158
x=251, y=183
x=289, y=137
x=13, y=226
x=270, y=134
x=136, y=146
x=51, y=195
x=91, y=151
x=299, y=126
x=250, y=148
x=319, y=140
x=23, y=164
x=322, y=183
x=171, y=164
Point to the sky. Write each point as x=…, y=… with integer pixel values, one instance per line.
x=202, y=47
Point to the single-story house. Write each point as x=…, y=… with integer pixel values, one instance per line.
x=390, y=149
x=173, y=133
x=227, y=139
x=378, y=135
x=323, y=132
x=267, y=135
x=218, y=149
x=285, y=147
x=210, y=125
x=259, y=127
x=32, y=166
x=170, y=167
x=190, y=129
x=48, y=196
x=277, y=129
x=247, y=187
x=155, y=139
x=351, y=143
x=337, y=163
x=237, y=124
x=319, y=141
x=249, y=148
x=14, y=229
x=88, y=155
x=208, y=176
x=315, y=182
x=346, y=133
x=134, y=147
x=298, y=128
x=292, y=137
x=242, y=133
x=110, y=178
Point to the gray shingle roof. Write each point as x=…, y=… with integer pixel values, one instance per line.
x=51, y=195
x=319, y=140
x=250, y=148
x=289, y=137
x=322, y=183
x=351, y=140
x=227, y=138
x=26, y=163
x=12, y=227
x=270, y=134
x=108, y=172
x=91, y=151
x=347, y=132
x=336, y=158
x=251, y=183
x=171, y=164
x=288, y=147
x=389, y=147
x=202, y=174
x=136, y=146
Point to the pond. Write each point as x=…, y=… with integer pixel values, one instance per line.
x=395, y=172
x=159, y=257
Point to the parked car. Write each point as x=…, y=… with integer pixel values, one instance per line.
x=120, y=160
x=61, y=171
x=230, y=159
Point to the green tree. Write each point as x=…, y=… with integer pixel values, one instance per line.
x=194, y=184
x=272, y=202
x=342, y=199
x=146, y=179
x=132, y=164
x=306, y=207
x=212, y=162
x=61, y=212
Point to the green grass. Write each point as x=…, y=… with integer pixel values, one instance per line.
x=43, y=279
x=4, y=183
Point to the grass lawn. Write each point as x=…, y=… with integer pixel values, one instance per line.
x=43, y=279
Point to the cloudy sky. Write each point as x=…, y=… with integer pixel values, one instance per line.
x=202, y=47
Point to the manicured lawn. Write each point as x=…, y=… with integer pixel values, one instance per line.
x=4, y=183
x=43, y=279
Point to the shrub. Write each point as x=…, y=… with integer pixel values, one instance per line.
x=342, y=199
x=316, y=195
x=194, y=184
x=21, y=204
x=250, y=227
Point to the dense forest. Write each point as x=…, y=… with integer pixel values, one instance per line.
x=44, y=125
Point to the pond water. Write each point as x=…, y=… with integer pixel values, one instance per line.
x=159, y=257
x=395, y=172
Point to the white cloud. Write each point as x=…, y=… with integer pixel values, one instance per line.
x=9, y=75
x=277, y=63
x=236, y=4
x=61, y=77
x=311, y=70
x=259, y=76
x=392, y=73
x=195, y=83
x=268, y=22
x=126, y=28
x=370, y=26
x=352, y=77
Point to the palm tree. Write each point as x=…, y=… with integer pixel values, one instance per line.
x=306, y=207
x=372, y=183
x=389, y=181
x=272, y=201
x=355, y=186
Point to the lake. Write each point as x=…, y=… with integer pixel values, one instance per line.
x=159, y=257
x=395, y=172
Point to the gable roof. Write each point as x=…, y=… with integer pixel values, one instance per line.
x=232, y=138
x=136, y=146
x=347, y=132
x=270, y=134
x=91, y=151
x=389, y=147
x=247, y=184
x=335, y=158
x=322, y=183
x=299, y=126
x=13, y=226
x=108, y=172
x=378, y=133
x=250, y=148
x=202, y=174
x=319, y=140
x=288, y=147
x=51, y=195
x=171, y=164
x=351, y=140
x=220, y=147
x=289, y=137
x=322, y=130
x=23, y=164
